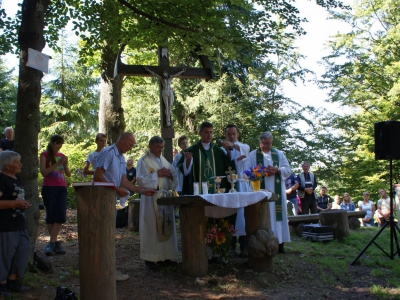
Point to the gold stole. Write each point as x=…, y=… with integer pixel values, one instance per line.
x=164, y=214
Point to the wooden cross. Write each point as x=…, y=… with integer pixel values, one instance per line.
x=167, y=130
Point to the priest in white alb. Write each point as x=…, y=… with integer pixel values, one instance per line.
x=278, y=170
x=158, y=241
x=238, y=152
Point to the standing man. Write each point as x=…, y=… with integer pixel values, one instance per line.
x=306, y=190
x=203, y=161
x=158, y=242
x=8, y=142
x=183, y=144
x=324, y=202
x=278, y=170
x=291, y=185
x=111, y=167
x=101, y=142
x=238, y=153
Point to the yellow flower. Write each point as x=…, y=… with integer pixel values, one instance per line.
x=220, y=239
x=224, y=223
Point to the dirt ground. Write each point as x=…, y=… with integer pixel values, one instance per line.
x=292, y=278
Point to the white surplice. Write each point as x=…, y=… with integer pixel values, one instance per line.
x=150, y=247
x=280, y=228
x=244, y=149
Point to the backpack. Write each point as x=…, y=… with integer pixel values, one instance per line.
x=64, y=293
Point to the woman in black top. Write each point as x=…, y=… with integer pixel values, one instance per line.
x=14, y=238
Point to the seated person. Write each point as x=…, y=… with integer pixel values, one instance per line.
x=383, y=208
x=324, y=201
x=368, y=206
x=347, y=204
x=336, y=202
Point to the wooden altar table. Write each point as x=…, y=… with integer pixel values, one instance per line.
x=193, y=229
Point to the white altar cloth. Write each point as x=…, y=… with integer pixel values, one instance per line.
x=228, y=203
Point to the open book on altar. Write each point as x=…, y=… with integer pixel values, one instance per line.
x=93, y=183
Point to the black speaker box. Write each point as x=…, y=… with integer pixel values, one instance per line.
x=387, y=140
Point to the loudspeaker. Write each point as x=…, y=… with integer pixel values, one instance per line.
x=387, y=140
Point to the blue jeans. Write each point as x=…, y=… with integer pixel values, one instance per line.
x=295, y=208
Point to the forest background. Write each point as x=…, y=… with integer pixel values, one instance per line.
x=251, y=45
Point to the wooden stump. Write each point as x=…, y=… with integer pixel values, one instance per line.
x=96, y=235
x=194, y=259
x=337, y=218
x=257, y=217
x=133, y=214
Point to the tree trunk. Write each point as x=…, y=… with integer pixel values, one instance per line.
x=133, y=214
x=27, y=125
x=337, y=218
x=111, y=113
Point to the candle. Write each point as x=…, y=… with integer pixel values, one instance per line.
x=195, y=188
x=204, y=187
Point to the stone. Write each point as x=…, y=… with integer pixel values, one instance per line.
x=263, y=244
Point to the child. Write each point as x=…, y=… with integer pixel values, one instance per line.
x=101, y=142
x=53, y=166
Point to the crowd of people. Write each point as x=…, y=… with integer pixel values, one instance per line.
x=201, y=162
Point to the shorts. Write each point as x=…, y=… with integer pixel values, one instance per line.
x=55, y=201
x=14, y=253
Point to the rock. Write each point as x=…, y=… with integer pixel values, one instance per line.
x=263, y=243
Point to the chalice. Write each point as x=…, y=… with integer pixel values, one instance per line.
x=217, y=181
x=232, y=178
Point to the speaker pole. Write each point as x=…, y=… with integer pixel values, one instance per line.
x=393, y=225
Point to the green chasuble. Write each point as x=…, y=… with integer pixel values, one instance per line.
x=206, y=164
x=277, y=179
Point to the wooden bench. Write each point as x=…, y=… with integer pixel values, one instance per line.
x=314, y=218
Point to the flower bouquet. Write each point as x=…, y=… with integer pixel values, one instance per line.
x=254, y=175
x=219, y=237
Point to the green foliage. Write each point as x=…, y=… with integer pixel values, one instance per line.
x=8, y=97
x=362, y=76
x=70, y=100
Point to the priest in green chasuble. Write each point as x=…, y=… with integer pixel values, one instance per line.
x=158, y=241
x=203, y=161
x=278, y=170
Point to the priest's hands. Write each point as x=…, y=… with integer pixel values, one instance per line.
x=188, y=158
x=272, y=170
x=164, y=172
x=241, y=157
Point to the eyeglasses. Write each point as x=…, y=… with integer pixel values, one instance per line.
x=158, y=147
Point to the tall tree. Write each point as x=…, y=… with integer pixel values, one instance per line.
x=8, y=96
x=362, y=76
x=70, y=98
x=28, y=116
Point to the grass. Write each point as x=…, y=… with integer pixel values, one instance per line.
x=321, y=255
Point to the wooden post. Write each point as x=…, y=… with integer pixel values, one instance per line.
x=96, y=235
x=133, y=214
x=257, y=217
x=337, y=218
x=193, y=230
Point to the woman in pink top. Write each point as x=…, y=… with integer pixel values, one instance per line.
x=53, y=166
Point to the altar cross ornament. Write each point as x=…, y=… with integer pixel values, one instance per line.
x=165, y=74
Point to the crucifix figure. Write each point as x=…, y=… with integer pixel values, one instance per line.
x=167, y=92
x=166, y=100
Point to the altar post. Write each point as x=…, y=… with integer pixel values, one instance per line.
x=96, y=236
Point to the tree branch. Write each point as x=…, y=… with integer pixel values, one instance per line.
x=153, y=18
